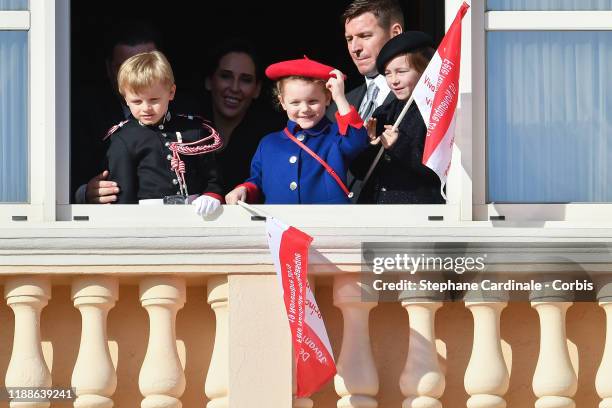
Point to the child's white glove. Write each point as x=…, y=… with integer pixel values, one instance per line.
x=205, y=205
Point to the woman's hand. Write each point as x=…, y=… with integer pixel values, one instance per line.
x=389, y=136
x=335, y=84
x=237, y=194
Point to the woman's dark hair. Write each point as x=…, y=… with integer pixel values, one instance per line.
x=239, y=45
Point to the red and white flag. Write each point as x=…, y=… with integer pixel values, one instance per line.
x=312, y=351
x=436, y=95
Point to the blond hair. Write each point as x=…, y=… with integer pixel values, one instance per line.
x=144, y=70
x=277, y=91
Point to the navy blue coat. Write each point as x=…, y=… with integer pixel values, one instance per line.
x=283, y=173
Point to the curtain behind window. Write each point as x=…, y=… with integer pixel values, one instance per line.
x=13, y=116
x=13, y=4
x=549, y=116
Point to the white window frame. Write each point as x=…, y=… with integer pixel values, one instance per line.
x=39, y=21
x=455, y=210
x=483, y=21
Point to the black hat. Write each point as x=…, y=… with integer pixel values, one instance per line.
x=402, y=44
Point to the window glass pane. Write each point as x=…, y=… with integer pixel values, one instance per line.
x=549, y=116
x=549, y=5
x=13, y=4
x=14, y=116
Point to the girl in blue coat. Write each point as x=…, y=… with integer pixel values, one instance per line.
x=305, y=163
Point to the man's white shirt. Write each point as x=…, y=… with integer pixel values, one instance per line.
x=383, y=89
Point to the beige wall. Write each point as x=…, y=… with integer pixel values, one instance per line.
x=128, y=327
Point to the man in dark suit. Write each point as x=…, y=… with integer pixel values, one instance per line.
x=368, y=25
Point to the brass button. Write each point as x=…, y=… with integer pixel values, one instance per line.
x=174, y=181
x=169, y=157
x=293, y=185
x=292, y=159
x=301, y=137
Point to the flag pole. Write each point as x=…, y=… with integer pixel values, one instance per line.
x=382, y=148
x=253, y=209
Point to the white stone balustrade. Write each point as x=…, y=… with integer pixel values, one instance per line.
x=162, y=380
x=554, y=381
x=422, y=381
x=357, y=380
x=486, y=377
x=603, y=379
x=27, y=296
x=217, y=379
x=94, y=377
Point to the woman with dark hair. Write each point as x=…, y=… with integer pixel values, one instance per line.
x=234, y=82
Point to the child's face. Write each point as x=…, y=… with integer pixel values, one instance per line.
x=151, y=104
x=304, y=101
x=401, y=77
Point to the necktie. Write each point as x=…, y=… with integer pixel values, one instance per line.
x=369, y=104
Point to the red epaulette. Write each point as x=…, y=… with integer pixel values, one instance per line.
x=114, y=129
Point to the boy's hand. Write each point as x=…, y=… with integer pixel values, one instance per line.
x=101, y=191
x=389, y=136
x=205, y=205
x=371, y=127
x=237, y=194
x=335, y=84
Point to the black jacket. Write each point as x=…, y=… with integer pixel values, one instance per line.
x=355, y=97
x=139, y=161
x=400, y=177
x=234, y=161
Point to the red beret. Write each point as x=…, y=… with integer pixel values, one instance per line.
x=300, y=67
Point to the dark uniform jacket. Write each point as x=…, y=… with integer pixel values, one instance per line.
x=89, y=127
x=400, y=176
x=139, y=161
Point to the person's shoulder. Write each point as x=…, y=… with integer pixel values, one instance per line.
x=271, y=138
x=391, y=105
x=188, y=120
x=357, y=90
x=122, y=128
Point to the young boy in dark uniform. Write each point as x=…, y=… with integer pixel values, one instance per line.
x=144, y=156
